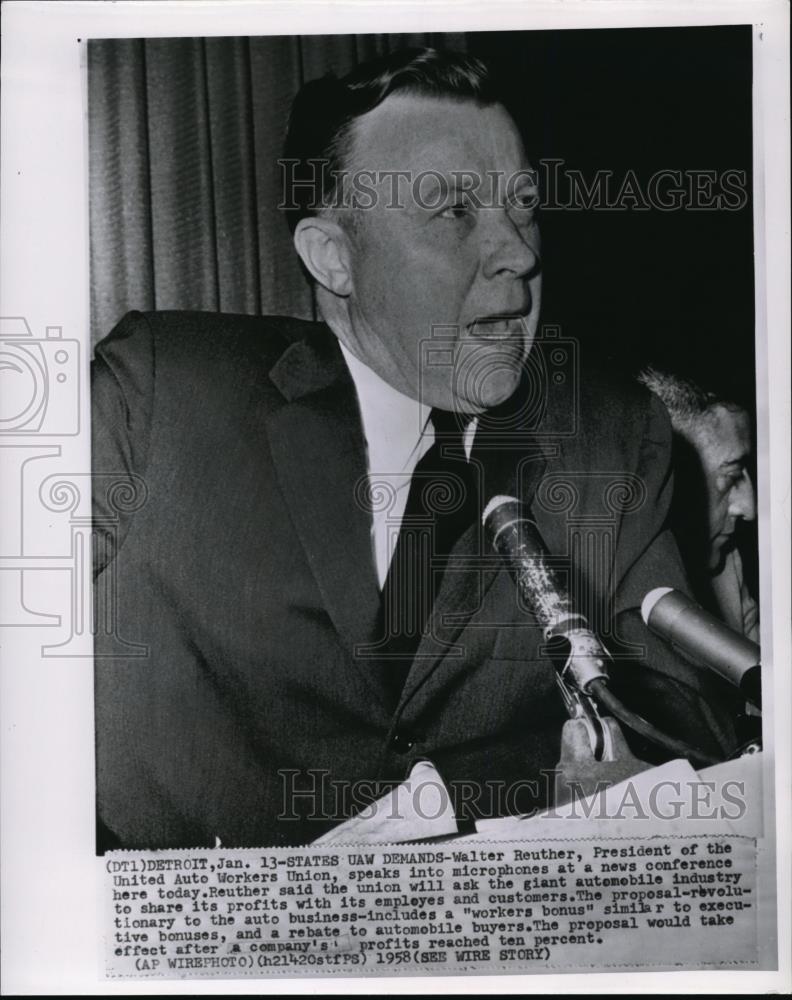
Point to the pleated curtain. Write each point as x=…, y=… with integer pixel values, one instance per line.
x=184, y=138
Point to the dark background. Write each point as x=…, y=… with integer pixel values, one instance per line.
x=676, y=287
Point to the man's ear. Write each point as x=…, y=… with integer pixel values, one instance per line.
x=324, y=249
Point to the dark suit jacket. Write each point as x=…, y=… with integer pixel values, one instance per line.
x=237, y=592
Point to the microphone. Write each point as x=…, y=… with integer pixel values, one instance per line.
x=569, y=638
x=517, y=539
x=583, y=678
x=704, y=639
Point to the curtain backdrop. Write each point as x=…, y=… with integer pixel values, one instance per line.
x=184, y=137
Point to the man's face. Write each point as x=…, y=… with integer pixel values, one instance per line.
x=428, y=255
x=722, y=441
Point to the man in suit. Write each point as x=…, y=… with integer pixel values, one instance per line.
x=302, y=601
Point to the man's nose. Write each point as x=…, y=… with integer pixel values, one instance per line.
x=509, y=249
x=743, y=501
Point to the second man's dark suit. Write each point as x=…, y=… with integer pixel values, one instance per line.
x=237, y=584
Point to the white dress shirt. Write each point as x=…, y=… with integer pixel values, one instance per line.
x=398, y=433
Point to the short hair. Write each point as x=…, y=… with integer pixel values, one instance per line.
x=321, y=123
x=686, y=401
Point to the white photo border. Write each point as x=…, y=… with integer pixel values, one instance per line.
x=51, y=913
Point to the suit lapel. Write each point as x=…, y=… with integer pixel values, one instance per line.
x=319, y=453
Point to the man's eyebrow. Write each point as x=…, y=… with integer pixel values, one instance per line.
x=446, y=186
x=450, y=183
x=435, y=184
x=463, y=181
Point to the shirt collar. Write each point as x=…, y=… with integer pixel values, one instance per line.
x=394, y=425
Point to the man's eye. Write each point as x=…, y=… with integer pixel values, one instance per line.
x=525, y=208
x=456, y=211
x=526, y=199
x=733, y=479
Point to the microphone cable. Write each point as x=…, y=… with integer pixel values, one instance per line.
x=599, y=690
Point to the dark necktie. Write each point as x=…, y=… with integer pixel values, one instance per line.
x=442, y=502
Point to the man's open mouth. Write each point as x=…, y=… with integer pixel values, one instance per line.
x=497, y=327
